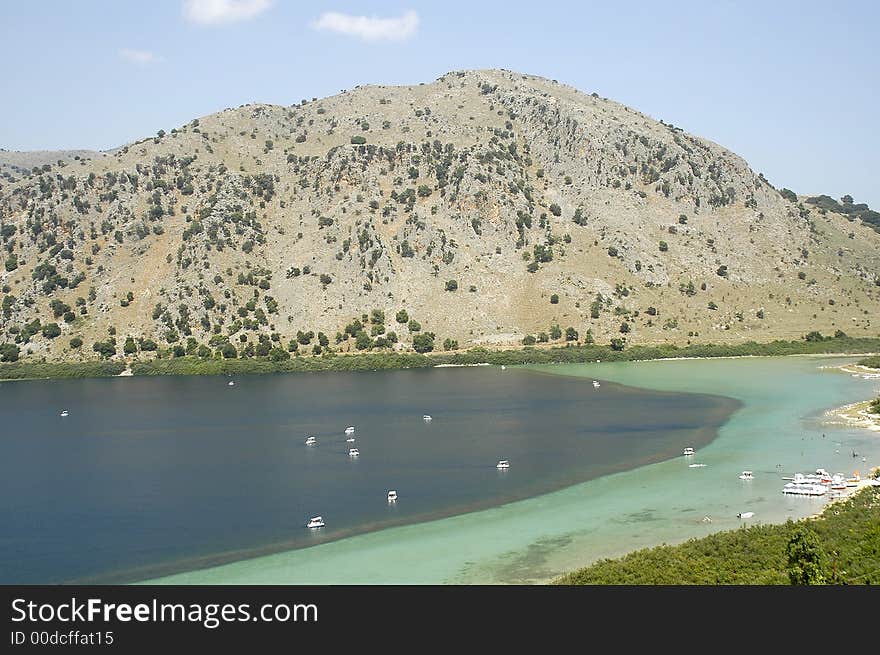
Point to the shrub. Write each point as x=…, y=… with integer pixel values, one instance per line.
x=554, y=299
x=555, y=209
x=358, y=140
x=451, y=285
x=76, y=342
x=423, y=343
x=51, y=330
x=528, y=340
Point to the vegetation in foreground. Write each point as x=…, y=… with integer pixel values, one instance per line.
x=330, y=361
x=840, y=547
x=871, y=362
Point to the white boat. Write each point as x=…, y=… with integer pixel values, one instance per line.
x=65, y=413
x=838, y=482
x=353, y=452
x=696, y=466
x=311, y=441
x=687, y=452
x=231, y=383
x=349, y=429
x=502, y=465
x=315, y=522
x=745, y=515
x=746, y=475
x=392, y=496
x=596, y=384
x=427, y=417
x=795, y=489
x=349, y=440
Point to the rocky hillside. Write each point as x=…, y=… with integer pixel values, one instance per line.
x=487, y=207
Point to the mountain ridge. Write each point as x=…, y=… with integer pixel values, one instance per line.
x=488, y=205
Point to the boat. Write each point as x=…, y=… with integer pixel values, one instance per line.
x=349, y=429
x=745, y=515
x=746, y=475
x=838, y=482
x=231, y=383
x=353, y=452
x=311, y=441
x=596, y=384
x=796, y=489
x=688, y=451
x=502, y=465
x=315, y=522
x=349, y=440
x=696, y=466
x=392, y=496
x=65, y=413
x=427, y=417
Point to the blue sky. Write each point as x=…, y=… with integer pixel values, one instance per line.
x=793, y=87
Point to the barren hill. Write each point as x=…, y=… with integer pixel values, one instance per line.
x=487, y=206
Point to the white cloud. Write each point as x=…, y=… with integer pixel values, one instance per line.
x=214, y=12
x=369, y=28
x=142, y=57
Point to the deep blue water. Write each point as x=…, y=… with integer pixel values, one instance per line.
x=147, y=476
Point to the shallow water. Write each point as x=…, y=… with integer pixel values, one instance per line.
x=150, y=476
x=776, y=432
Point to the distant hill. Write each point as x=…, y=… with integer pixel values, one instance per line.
x=487, y=207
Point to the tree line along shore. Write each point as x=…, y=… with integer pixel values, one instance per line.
x=328, y=361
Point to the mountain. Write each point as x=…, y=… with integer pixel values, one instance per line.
x=488, y=205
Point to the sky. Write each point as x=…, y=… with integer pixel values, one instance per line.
x=793, y=87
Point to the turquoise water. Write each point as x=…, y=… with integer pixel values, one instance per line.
x=777, y=432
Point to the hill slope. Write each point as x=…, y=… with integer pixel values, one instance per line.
x=472, y=203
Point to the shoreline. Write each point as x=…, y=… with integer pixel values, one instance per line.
x=478, y=356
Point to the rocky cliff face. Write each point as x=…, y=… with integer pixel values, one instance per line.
x=488, y=205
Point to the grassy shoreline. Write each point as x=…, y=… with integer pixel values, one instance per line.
x=392, y=361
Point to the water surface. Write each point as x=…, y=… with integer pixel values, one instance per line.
x=150, y=476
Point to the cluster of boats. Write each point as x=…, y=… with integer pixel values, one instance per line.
x=818, y=483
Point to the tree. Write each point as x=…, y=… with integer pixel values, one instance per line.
x=450, y=344
x=76, y=342
x=807, y=563
x=528, y=340
x=555, y=332
x=402, y=316
x=423, y=343
x=51, y=330
x=358, y=140
x=9, y=352
x=363, y=341
x=554, y=299
x=451, y=285
x=414, y=325
x=555, y=209
x=228, y=351
x=571, y=334
x=617, y=344
x=130, y=346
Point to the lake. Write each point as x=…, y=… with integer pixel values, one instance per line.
x=147, y=477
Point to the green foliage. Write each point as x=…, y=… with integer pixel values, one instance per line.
x=402, y=316
x=528, y=340
x=423, y=342
x=870, y=362
x=555, y=209
x=51, y=330
x=76, y=342
x=358, y=140
x=788, y=194
x=841, y=547
x=451, y=285
x=554, y=299
x=9, y=352
x=806, y=562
